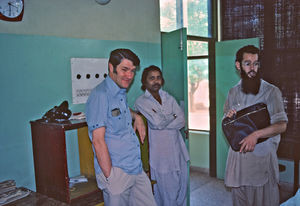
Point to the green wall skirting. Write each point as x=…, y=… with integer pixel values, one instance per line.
x=288, y=174
x=199, y=149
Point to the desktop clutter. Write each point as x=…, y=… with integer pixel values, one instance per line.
x=58, y=113
x=61, y=113
x=9, y=192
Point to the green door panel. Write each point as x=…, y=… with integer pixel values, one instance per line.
x=174, y=63
x=174, y=69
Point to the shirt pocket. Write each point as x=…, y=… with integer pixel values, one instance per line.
x=117, y=120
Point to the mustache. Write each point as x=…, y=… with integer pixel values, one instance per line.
x=252, y=72
x=156, y=85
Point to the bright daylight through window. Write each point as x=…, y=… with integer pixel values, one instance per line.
x=195, y=16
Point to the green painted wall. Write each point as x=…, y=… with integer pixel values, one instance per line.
x=35, y=77
x=121, y=20
x=199, y=149
x=35, y=66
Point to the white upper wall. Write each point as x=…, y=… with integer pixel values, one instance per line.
x=123, y=20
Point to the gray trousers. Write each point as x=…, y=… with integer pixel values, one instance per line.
x=171, y=188
x=122, y=189
x=266, y=195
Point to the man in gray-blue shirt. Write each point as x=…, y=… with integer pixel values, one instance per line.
x=116, y=147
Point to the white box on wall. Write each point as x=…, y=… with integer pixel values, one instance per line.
x=86, y=73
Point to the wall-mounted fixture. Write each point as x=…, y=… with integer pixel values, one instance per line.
x=102, y=2
x=11, y=10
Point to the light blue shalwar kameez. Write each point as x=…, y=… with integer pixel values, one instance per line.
x=168, y=152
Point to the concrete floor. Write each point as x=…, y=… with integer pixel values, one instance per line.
x=204, y=191
x=209, y=191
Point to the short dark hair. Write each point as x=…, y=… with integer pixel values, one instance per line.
x=146, y=72
x=246, y=49
x=117, y=55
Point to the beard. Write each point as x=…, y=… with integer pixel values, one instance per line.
x=250, y=85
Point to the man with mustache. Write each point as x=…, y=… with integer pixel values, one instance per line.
x=252, y=173
x=168, y=153
x=117, y=157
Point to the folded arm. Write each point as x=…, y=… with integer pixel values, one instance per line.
x=159, y=120
x=179, y=121
x=156, y=119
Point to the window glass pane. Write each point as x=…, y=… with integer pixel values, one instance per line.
x=195, y=15
x=198, y=94
x=197, y=48
x=167, y=15
x=198, y=18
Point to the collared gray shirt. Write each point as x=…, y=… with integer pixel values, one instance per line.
x=165, y=140
x=254, y=168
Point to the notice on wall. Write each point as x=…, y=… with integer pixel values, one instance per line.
x=86, y=73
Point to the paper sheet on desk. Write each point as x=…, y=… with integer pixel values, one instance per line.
x=78, y=115
x=78, y=179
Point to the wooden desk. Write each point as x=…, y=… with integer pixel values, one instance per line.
x=50, y=158
x=36, y=199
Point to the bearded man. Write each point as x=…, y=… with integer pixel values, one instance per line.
x=252, y=173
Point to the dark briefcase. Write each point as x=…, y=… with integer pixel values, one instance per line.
x=244, y=122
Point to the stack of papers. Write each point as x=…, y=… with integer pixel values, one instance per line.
x=77, y=115
x=7, y=185
x=9, y=192
x=77, y=179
